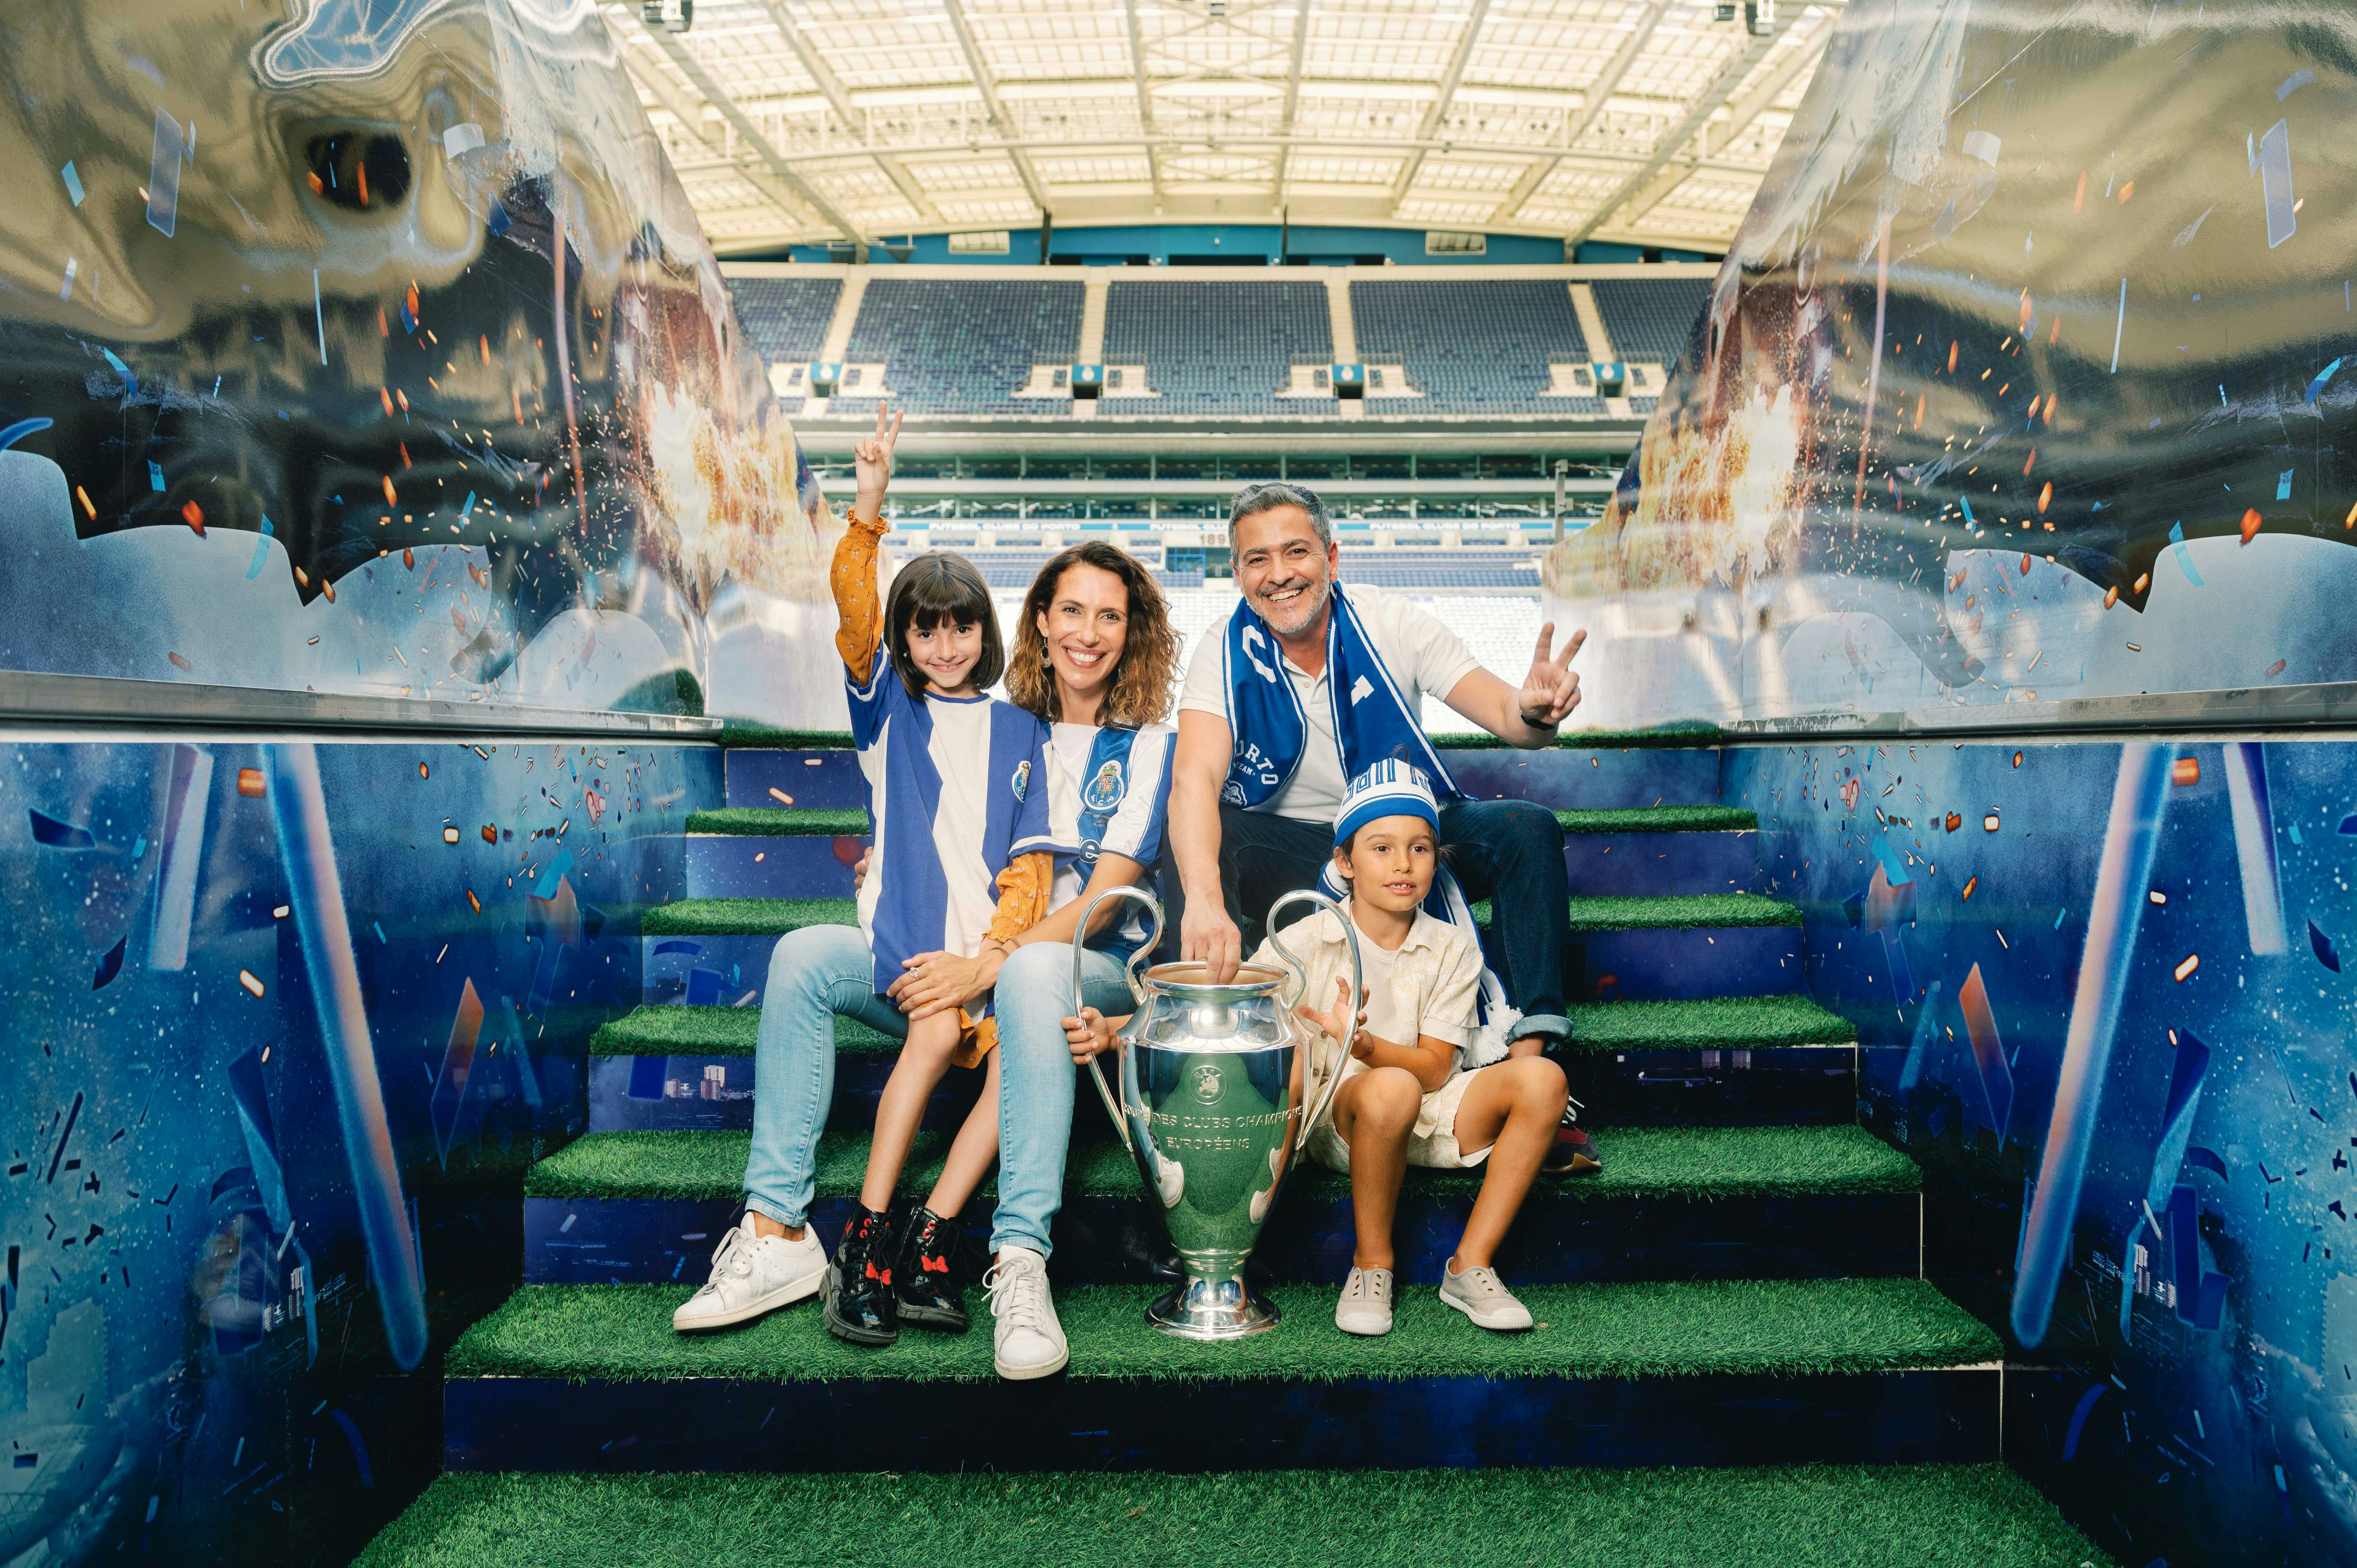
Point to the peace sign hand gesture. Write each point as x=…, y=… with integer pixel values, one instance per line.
x=872, y=462
x=1552, y=688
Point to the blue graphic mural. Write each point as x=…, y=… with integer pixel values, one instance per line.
x=370, y=351
x=290, y=1022
x=2102, y=997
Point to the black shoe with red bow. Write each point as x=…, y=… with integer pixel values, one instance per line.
x=858, y=1288
x=928, y=1298
x=1573, y=1152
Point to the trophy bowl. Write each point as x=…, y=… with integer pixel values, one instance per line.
x=1212, y=1097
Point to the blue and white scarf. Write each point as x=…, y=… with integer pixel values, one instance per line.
x=1267, y=728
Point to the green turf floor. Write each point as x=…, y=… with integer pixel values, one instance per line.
x=745, y=917
x=1691, y=1164
x=781, y=822
x=1810, y=1516
x=1649, y=1329
x=1716, y=1023
x=713, y=1031
x=1654, y=820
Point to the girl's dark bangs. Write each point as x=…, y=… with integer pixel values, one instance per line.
x=938, y=592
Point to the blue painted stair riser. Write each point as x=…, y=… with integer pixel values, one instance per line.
x=1636, y=865
x=783, y=865
x=1558, y=1240
x=1097, y=1423
x=1560, y=779
x=644, y=1093
x=1684, y=962
x=808, y=778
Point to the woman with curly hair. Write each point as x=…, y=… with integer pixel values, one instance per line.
x=1096, y=659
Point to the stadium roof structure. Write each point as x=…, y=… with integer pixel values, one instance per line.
x=1644, y=122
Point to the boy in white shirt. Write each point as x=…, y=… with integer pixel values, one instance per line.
x=1405, y=1098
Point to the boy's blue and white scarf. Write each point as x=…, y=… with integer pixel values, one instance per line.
x=1267, y=728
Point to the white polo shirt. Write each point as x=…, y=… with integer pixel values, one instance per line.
x=1423, y=655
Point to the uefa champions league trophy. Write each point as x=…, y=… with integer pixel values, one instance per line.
x=1215, y=1106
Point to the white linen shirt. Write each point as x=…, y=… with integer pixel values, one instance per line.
x=1423, y=655
x=1426, y=987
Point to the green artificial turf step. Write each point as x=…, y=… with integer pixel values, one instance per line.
x=1652, y=1330
x=714, y=1032
x=1699, y=1164
x=1711, y=1024
x=765, y=737
x=745, y=917
x=1827, y=1516
x=1716, y=1023
x=781, y=822
x=1687, y=911
x=1643, y=820
x=776, y=917
x=768, y=738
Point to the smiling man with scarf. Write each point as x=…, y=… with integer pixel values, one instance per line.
x=1302, y=689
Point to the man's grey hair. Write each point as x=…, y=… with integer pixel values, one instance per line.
x=1270, y=494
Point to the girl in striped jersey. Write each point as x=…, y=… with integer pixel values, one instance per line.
x=957, y=789
x=957, y=786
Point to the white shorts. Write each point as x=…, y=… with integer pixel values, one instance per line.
x=1436, y=1149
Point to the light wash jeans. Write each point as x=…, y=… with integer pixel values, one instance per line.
x=1036, y=1081
x=821, y=972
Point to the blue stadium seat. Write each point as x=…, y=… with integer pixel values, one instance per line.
x=1651, y=319
x=956, y=347
x=1471, y=347
x=785, y=319
x=1214, y=349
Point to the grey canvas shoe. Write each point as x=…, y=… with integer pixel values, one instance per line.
x=1482, y=1296
x=1366, y=1304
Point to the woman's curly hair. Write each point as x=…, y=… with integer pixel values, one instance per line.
x=1146, y=681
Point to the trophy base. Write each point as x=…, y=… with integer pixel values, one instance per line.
x=1213, y=1309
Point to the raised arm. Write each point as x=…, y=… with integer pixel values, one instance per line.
x=859, y=616
x=1197, y=771
x=1528, y=717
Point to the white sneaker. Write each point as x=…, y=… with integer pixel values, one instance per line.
x=1026, y=1340
x=1482, y=1296
x=1366, y=1304
x=1171, y=1178
x=750, y=1276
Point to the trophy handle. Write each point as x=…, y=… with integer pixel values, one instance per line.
x=1301, y=974
x=1136, y=992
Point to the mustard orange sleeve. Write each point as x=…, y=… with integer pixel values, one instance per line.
x=1023, y=889
x=860, y=614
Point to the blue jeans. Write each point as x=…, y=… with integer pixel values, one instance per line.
x=816, y=974
x=1036, y=1081
x=821, y=972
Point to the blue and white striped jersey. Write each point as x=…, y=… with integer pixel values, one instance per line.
x=958, y=788
x=1110, y=790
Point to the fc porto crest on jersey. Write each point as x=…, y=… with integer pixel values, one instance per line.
x=1022, y=780
x=1104, y=791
